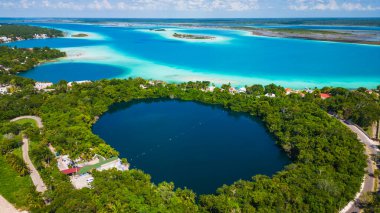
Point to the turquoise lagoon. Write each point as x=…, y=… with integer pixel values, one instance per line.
x=235, y=57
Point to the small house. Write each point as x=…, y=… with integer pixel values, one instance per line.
x=325, y=96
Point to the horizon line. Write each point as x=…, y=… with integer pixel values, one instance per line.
x=336, y=17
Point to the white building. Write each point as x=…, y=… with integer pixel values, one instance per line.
x=42, y=85
x=270, y=95
x=309, y=90
x=232, y=90
x=4, y=90
x=288, y=91
x=5, y=39
x=210, y=89
x=113, y=164
x=70, y=84
x=242, y=90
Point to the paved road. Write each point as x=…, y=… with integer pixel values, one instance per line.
x=6, y=207
x=37, y=119
x=368, y=184
x=36, y=178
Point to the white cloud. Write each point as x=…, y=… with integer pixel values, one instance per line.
x=192, y=5
x=299, y=5
x=25, y=4
x=100, y=5
x=358, y=6
x=243, y=5
x=7, y=5
x=328, y=5
x=188, y=5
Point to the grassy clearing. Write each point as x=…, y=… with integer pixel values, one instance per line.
x=27, y=120
x=17, y=190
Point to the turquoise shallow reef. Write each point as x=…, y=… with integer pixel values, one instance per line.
x=135, y=50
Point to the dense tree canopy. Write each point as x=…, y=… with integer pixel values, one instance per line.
x=360, y=106
x=13, y=60
x=27, y=32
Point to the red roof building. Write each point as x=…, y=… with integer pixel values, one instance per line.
x=325, y=95
x=70, y=171
x=288, y=91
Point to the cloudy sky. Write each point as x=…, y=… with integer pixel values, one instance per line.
x=189, y=8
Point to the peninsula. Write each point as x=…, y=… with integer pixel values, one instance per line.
x=12, y=32
x=320, y=35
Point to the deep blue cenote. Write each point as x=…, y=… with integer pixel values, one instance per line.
x=197, y=146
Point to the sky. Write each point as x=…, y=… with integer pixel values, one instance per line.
x=190, y=8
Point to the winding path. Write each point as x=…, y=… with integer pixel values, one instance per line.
x=368, y=183
x=35, y=118
x=36, y=178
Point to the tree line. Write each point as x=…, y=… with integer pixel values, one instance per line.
x=14, y=60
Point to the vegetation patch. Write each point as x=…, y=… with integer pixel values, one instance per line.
x=79, y=35
x=303, y=31
x=191, y=36
x=27, y=121
x=16, y=189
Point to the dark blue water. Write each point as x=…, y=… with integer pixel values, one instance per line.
x=197, y=146
x=72, y=72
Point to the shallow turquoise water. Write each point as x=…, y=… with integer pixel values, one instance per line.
x=202, y=152
x=241, y=59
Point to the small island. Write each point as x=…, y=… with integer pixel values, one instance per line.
x=79, y=35
x=190, y=36
x=158, y=30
